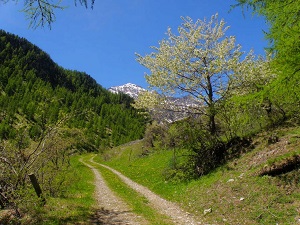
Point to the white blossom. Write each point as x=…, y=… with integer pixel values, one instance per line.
x=199, y=61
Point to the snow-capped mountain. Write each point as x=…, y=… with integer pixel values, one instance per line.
x=178, y=107
x=132, y=90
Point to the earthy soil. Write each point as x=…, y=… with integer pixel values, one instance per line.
x=177, y=215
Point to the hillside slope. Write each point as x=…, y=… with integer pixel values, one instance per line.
x=36, y=92
x=235, y=193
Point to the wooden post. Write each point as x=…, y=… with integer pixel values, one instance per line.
x=37, y=187
x=3, y=201
x=1, y=204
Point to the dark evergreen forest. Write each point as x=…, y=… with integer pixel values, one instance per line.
x=35, y=92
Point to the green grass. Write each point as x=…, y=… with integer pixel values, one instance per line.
x=76, y=207
x=78, y=204
x=146, y=170
x=249, y=199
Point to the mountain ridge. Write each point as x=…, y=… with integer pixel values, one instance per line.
x=181, y=105
x=130, y=89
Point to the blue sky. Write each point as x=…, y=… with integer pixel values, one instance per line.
x=102, y=42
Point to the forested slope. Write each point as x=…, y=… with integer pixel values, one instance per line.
x=39, y=91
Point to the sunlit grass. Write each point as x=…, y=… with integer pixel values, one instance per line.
x=146, y=170
x=138, y=203
x=234, y=192
x=76, y=207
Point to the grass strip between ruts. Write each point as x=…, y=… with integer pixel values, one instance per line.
x=138, y=203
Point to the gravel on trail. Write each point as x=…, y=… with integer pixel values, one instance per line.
x=111, y=210
x=168, y=208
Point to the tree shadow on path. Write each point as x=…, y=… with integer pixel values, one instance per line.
x=108, y=217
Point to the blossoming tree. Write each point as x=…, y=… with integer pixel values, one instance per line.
x=199, y=61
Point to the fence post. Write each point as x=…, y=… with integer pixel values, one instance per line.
x=37, y=187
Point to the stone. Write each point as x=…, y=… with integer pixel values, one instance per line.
x=206, y=211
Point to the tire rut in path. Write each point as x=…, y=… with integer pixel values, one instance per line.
x=111, y=210
x=168, y=208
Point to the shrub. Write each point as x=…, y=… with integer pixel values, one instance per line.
x=155, y=135
x=203, y=151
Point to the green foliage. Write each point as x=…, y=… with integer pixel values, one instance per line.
x=284, y=22
x=227, y=190
x=46, y=114
x=76, y=204
x=155, y=135
x=236, y=97
x=195, y=151
x=206, y=151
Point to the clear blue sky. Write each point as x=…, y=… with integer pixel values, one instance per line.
x=102, y=41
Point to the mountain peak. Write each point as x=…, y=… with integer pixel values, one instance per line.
x=130, y=89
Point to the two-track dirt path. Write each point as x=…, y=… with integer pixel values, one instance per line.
x=108, y=201
x=111, y=209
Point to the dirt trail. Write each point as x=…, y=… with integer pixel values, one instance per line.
x=111, y=209
x=170, y=209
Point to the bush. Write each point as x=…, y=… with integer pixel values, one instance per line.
x=179, y=168
x=203, y=151
x=155, y=135
x=48, y=159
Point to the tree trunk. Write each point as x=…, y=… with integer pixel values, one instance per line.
x=212, y=124
x=211, y=107
x=37, y=187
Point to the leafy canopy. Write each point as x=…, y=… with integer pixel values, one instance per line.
x=284, y=30
x=283, y=18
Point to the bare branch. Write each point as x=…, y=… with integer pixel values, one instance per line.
x=6, y=161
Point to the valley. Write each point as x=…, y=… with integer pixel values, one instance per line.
x=213, y=139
